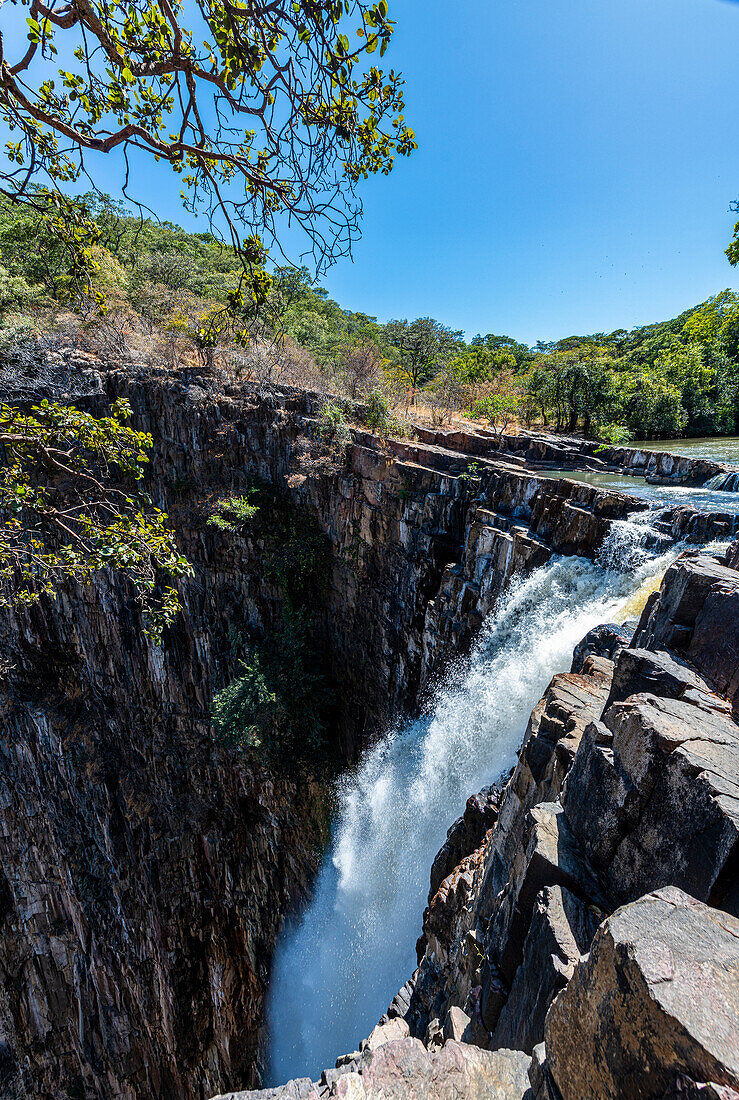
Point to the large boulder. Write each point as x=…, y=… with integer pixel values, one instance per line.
x=551, y=857
x=670, y=616
x=406, y=1070
x=696, y=612
x=653, y=798
x=714, y=646
x=640, y=670
x=605, y=640
x=654, y=1007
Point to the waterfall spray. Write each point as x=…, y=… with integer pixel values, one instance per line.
x=337, y=969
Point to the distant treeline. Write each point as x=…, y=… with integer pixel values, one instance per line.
x=167, y=294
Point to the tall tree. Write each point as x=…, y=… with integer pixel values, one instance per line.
x=422, y=346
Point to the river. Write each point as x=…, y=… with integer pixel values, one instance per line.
x=664, y=496
x=718, y=448
x=337, y=969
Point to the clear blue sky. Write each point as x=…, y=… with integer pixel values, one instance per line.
x=576, y=163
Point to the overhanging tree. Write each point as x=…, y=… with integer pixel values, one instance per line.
x=270, y=111
x=266, y=109
x=67, y=510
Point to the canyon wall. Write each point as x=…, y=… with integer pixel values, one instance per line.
x=146, y=869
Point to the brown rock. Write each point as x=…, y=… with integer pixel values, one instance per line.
x=561, y=930
x=656, y=1000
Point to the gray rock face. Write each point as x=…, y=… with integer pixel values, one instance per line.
x=670, y=618
x=606, y=640
x=551, y=857
x=561, y=930
x=406, y=1070
x=638, y=670
x=656, y=1001
x=655, y=761
x=732, y=555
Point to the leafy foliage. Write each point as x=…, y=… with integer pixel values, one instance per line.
x=673, y=377
x=206, y=90
x=497, y=409
x=278, y=702
x=423, y=346
x=64, y=514
x=231, y=512
x=332, y=427
x=379, y=417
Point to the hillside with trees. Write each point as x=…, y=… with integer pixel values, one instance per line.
x=162, y=295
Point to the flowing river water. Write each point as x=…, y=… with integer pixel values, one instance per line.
x=337, y=969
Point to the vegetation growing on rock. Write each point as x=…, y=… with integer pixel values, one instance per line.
x=278, y=703
x=68, y=512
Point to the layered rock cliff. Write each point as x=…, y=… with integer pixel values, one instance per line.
x=146, y=869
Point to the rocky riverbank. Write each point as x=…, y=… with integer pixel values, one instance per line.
x=542, y=451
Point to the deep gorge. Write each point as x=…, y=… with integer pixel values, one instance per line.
x=148, y=869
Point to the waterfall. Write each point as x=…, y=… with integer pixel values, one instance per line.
x=725, y=482
x=336, y=971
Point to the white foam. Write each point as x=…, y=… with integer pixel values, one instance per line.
x=336, y=972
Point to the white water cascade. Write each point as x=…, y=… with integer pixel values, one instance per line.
x=336, y=971
x=726, y=482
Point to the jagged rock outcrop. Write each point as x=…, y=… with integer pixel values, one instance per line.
x=605, y=640
x=406, y=1070
x=627, y=782
x=146, y=869
x=654, y=1010
x=466, y=834
x=649, y=1012
x=696, y=614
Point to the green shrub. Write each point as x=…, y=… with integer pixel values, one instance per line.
x=497, y=409
x=229, y=513
x=332, y=427
x=615, y=435
x=277, y=706
x=378, y=416
x=472, y=473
